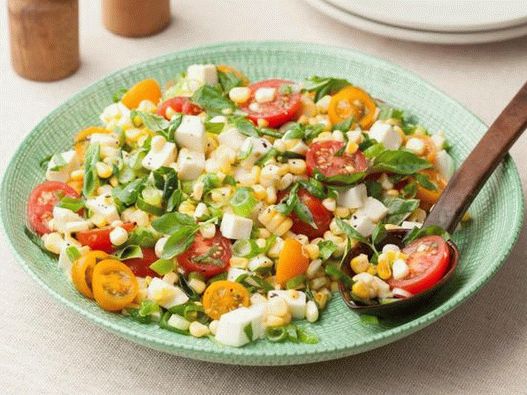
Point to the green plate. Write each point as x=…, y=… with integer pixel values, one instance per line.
x=484, y=244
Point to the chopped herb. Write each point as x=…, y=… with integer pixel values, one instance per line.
x=326, y=248
x=399, y=162
x=212, y=100
x=324, y=86
x=153, y=122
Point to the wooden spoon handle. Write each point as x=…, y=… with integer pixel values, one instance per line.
x=479, y=165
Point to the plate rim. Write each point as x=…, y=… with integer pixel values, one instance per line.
x=221, y=355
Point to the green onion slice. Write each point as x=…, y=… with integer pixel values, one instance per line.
x=243, y=202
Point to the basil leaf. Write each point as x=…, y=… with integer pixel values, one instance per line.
x=314, y=187
x=171, y=222
x=290, y=201
x=58, y=162
x=71, y=203
x=374, y=188
x=153, y=122
x=35, y=239
x=350, y=231
x=399, y=209
x=303, y=213
x=162, y=266
x=212, y=100
x=425, y=182
x=341, y=179
x=129, y=193
x=430, y=230
x=272, y=153
x=248, y=330
x=374, y=150
x=170, y=132
x=143, y=237
x=326, y=248
x=270, y=132
x=44, y=162
x=228, y=81
x=245, y=126
x=303, y=132
x=214, y=127
x=386, y=112
x=378, y=234
x=117, y=96
x=149, y=208
x=399, y=162
x=324, y=86
x=179, y=241
x=175, y=200
x=129, y=252
x=91, y=180
x=409, y=190
x=344, y=125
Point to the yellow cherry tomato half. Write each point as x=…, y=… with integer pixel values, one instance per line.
x=148, y=89
x=224, y=296
x=352, y=102
x=82, y=272
x=429, y=197
x=114, y=285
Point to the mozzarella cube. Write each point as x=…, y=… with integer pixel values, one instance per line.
x=162, y=153
x=190, y=164
x=204, y=73
x=385, y=134
x=400, y=269
x=103, y=209
x=232, y=138
x=61, y=165
x=415, y=145
x=254, y=148
x=411, y=225
x=264, y=95
x=236, y=227
x=191, y=133
x=362, y=224
x=105, y=140
x=114, y=114
x=445, y=165
x=165, y=294
x=373, y=209
x=296, y=301
x=62, y=217
x=354, y=197
x=235, y=272
x=232, y=326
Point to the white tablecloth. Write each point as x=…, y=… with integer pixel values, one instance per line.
x=479, y=348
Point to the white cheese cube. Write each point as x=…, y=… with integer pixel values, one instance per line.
x=445, y=165
x=105, y=140
x=62, y=217
x=299, y=148
x=235, y=272
x=354, y=136
x=218, y=119
x=190, y=164
x=162, y=153
x=411, y=225
x=439, y=140
x=204, y=73
x=61, y=165
x=323, y=104
x=259, y=262
x=415, y=145
x=103, y=207
x=373, y=209
x=296, y=301
x=400, y=269
x=353, y=198
x=232, y=138
x=231, y=330
x=385, y=134
x=191, y=133
x=362, y=224
x=265, y=95
x=236, y=227
x=254, y=148
x=165, y=294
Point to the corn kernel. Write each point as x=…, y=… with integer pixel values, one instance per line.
x=360, y=263
x=133, y=134
x=197, y=329
x=103, y=170
x=342, y=212
x=114, y=181
x=263, y=233
x=303, y=239
x=53, y=242
x=240, y=94
x=372, y=270
x=262, y=123
x=330, y=204
x=312, y=250
x=392, y=192
x=318, y=283
x=238, y=262
x=170, y=113
x=208, y=231
x=297, y=166
x=213, y=326
x=197, y=285
x=271, y=195
x=187, y=207
x=321, y=298
x=313, y=268
x=77, y=185
x=311, y=311
x=361, y=290
x=351, y=147
x=77, y=175
x=383, y=269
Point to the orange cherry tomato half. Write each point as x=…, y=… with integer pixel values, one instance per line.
x=428, y=261
x=82, y=272
x=224, y=296
x=114, y=285
x=292, y=261
x=41, y=202
x=148, y=89
x=322, y=157
x=354, y=102
x=282, y=109
x=99, y=239
x=429, y=197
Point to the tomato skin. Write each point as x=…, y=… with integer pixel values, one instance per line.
x=200, y=247
x=114, y=285
x=277, y=112
x=321, y=156
x=180, y=104
x=99, y=239
x=42, y=200
x=141, y=266
x=321, y=215
x=426, y=267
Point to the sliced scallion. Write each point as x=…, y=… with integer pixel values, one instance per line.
x=246, y=248
x=296, y=282
x=278, y=334
x=243, y=202
x=162, y=266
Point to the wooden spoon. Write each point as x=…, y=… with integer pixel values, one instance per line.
x=454, y=201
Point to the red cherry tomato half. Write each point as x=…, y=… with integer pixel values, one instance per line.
x=141, y=266
x=321, y=216
x=41, y=202
x=180, y=104
x=282, y=109
x=321, y=156
x=207, y=256
x=99, y=239
x=428, y=261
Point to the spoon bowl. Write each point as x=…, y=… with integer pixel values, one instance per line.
x=402, y=305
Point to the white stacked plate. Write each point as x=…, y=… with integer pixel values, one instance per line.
x=432, y=21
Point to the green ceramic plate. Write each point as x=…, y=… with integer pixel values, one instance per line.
x=485, y=243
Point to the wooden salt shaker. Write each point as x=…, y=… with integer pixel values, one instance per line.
x=44, y=37
x=135, y=18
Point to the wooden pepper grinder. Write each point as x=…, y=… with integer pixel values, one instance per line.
x=44, y=37
x=135, y=18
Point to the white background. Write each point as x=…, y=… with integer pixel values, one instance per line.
x=480, y=347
